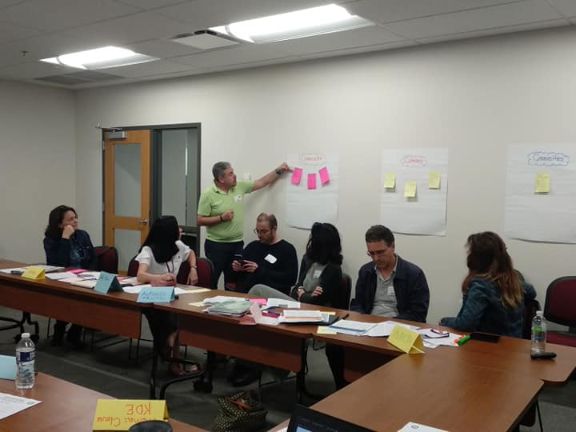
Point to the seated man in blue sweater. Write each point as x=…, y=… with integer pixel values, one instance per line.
x=268, y=261
x=389, y=285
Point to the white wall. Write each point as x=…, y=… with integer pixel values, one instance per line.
x=37, y=164
x=474, y=97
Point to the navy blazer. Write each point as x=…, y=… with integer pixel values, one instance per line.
x=410, y=287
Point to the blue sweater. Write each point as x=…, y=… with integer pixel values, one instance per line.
x=74, y=252
x=482, y=310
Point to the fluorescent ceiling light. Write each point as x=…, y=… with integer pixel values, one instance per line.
x=292, y=25
x=100, y=58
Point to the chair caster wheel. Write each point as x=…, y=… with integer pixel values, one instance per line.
x=203, y=387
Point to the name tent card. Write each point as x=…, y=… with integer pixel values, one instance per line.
x=107, y=282
x=406, y=340
x=33, y=272
x=156, y=295
x=120, y=414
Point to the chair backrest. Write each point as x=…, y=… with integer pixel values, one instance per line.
x=560, y=306
x=345, y=293
x=205, y=271
x=133, y=267
x=106, y=259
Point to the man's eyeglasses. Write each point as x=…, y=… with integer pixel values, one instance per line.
x=376, y=253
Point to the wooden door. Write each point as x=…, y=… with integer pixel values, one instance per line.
x=127, y=191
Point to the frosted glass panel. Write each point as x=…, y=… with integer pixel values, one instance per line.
x=127, y=182
x=127, y=242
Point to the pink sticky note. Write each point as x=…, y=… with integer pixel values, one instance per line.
x=324, y=176
x=296, y=176
x=259, y=301
x=312, y=181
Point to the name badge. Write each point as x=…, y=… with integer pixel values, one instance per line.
x=271, y=258
x=317, y=274
x=391, y=291
x=238, y=198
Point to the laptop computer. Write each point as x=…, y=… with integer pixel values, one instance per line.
x=307, y=420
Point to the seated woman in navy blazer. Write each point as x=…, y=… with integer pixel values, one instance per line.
x=493, y=293
x=67, y=246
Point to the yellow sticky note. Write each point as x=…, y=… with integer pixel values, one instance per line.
x=410, y=189
x=433, y=180
x=120, y=414
x=325, y=330
x=33, y=272
x=389, y=180
x=406, y=340
x=542, y=183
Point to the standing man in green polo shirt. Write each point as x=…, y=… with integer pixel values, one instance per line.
x=221, y=211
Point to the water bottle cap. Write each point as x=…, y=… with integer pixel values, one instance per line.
x=25, y=335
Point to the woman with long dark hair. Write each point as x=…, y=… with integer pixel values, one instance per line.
x=493, y=293
x=67, y=246
x=320, y=276
x=159, y=259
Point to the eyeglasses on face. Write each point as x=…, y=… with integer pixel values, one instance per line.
x=258, y=232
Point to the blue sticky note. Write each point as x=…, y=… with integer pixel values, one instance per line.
x=156, y=295
x=107, y=282
x=7, y=367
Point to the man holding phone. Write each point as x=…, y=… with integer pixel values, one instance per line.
x=269, y=260
x=221, y=211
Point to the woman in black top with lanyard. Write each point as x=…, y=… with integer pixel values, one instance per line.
x=67, y=246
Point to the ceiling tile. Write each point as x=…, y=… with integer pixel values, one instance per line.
x=203, y=14
x=362, y=49
x=341, y=40
x=163, y=48
x=478, y=19
x=233, y=56
x=152, y=4
x=400, y=10
x=60, y=14
x=10, y=32
x=498, y=31
x=160, y=67
x=141, y=27
x=31, y=70
x=565, y=7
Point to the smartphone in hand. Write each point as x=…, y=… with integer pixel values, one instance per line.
x=239, y=258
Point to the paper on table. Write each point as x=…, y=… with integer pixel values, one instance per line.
x=179, y=291
x=7, y=367
x=288, y=304
x=417, y=427
x=384, y=329
x=196, y=304
x=134, y=289
x=445, y=341
x=222, y=299
x=352, y=327
x=10, y=404
x=326, y=330
x=60, y=275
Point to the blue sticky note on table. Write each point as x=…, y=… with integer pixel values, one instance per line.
x=7, y=367
x=156, y=295
x=107, y=282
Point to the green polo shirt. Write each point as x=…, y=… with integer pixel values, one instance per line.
x=214, y=202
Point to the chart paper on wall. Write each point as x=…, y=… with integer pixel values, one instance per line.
x=413, y=190
x=541, y=192
x=312, y=191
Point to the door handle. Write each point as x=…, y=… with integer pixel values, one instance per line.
x=143, y=222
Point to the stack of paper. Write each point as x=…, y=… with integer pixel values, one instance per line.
x=433, y=339
x=288, y=304
x=384, y=329
x=300, y=316
x=233, y=308
x=350, y=327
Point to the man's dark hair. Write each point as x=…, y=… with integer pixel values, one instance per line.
x=218, y=169
x=378, y=233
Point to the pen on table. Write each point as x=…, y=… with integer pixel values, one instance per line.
x=463, y=340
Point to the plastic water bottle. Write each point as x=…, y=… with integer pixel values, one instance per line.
x=538, y=334
x=25, y=354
